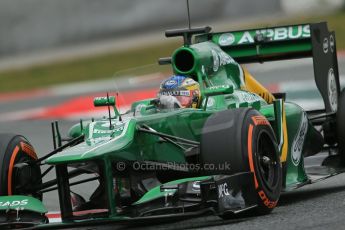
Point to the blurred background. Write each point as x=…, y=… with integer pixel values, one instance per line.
x=66, y=36
x=34, y=25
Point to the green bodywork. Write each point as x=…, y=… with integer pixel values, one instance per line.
x=221, y=79
x=239, y=44
x=156, y=192
x=21, y=203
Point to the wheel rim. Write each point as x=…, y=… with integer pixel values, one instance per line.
x=28, y=188
x=268, y=161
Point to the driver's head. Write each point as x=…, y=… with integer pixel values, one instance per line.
x=179, y=91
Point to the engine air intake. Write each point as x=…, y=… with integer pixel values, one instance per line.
x=184, y=61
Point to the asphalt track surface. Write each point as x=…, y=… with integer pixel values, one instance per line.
x=316, y=206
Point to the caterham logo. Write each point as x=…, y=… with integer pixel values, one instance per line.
x=226, y=39
x=220, y=58
x=331, y=43
x=332, y=91
x=298, y=142
x=325, y=45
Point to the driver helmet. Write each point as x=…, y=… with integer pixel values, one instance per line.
x=179, y=92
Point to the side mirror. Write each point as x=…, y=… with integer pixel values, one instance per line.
x=218, y=90
x=104, y=101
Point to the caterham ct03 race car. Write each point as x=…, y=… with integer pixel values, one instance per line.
x=236, y=150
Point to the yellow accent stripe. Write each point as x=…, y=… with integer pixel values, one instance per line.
x=252, y=85
x=285, y=137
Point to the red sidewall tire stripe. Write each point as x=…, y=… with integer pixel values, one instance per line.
x=266, y=201
x=10, y=170
x=250, y=154
x=22, y=148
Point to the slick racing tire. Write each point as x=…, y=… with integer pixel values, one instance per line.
x=18, y=174
x=341, y=124
x=245, y=139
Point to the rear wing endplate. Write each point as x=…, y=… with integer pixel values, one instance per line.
x=287, y=42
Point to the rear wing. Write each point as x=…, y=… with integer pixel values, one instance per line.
x=287, y=42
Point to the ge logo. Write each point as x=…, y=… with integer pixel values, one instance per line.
x=223, y=190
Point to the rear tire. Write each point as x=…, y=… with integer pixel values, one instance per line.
x=15, y=149
x=245, y=139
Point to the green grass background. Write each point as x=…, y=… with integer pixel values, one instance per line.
x=105, y=65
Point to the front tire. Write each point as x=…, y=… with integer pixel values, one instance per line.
x=245, y=139
x=14, y=150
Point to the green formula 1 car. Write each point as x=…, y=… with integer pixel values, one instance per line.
x=237, y=150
